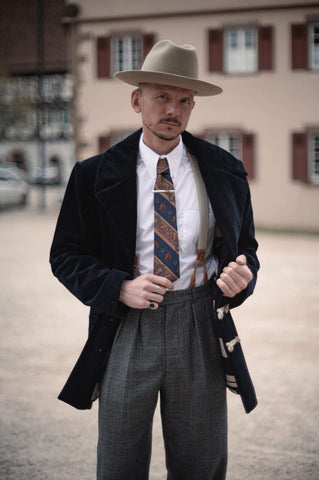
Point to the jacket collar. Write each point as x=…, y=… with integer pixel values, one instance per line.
x=118, y=165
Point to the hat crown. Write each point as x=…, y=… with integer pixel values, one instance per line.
x=166, y=57
x=171, y=65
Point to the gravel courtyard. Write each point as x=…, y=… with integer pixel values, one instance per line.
x=43, y=329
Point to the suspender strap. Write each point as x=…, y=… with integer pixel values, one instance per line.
x=203, y=204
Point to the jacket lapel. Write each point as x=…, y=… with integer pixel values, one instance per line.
x=115, y=190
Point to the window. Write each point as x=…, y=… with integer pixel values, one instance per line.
x=55, y=123
x=314, y=46
x=240, y=50
x=239, y=144
x=121, y=52
x=305, y=46
x=19, y=125
x=19, y=89
x=56, y=87
x=305, y=156
x=126, y=53
x=314, y=157
x=21, y=106
x=26, y=88
x=228, y=141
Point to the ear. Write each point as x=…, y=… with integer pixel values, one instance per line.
x=136, y=100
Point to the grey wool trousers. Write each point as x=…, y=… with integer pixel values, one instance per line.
x=173, y=352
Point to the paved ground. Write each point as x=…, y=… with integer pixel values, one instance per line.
x=43, y=328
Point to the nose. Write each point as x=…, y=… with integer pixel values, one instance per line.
x=172, y=108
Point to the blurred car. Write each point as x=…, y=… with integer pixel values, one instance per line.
x=14, y=190
x=49, y=175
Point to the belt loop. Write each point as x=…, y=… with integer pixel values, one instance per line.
x=194, y=294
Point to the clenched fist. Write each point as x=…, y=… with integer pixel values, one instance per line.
x=235, y=277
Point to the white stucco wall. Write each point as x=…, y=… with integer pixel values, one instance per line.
x=271, y=105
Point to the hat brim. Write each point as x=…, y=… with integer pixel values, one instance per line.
x=136, y=77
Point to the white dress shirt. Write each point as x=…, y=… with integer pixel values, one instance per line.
x=187, y=212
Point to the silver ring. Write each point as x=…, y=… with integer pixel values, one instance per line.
x=151, y=305
x=158, y=287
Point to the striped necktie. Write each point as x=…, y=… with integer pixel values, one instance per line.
x=166, y=251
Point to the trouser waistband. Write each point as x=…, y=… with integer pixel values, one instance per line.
x=188, y=294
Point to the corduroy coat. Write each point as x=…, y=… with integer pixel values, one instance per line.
x=93, y=250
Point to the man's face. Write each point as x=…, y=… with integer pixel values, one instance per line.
x=165, y=111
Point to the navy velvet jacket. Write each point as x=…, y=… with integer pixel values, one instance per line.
x=93, y=249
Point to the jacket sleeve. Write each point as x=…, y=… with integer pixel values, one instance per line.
x=72, y=256
x=247, y=245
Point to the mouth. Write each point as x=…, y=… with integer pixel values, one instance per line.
x=171, y=122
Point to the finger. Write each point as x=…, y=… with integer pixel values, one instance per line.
x=155, y=297
x=234, y=282
x=224, y=288
x=159, y=290
x=162, y=281
x=152, y=306
x=241, y=270
x=231, y=276
x=241, y=260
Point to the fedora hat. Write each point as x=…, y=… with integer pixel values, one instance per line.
x=172, y=65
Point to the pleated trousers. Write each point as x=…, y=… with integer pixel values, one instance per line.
x=174, y=352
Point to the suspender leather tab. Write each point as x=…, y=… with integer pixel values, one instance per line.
x=200, y=259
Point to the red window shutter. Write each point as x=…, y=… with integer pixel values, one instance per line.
x=148, y=42
x=103, y=57
x=265, y=48
x=104, y=143
x=248, y=153
x=300, y=156
x=215, y=50
x=299, y=45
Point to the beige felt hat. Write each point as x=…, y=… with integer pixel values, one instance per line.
x=172, y=65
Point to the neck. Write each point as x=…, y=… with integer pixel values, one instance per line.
x=159, y=145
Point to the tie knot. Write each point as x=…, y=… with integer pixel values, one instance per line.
x=162, y=165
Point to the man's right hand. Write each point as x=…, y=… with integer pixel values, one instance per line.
x=145, y=291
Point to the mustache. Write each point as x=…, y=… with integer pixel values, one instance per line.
x=171, y=120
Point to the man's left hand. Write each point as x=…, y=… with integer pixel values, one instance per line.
x=235, y=277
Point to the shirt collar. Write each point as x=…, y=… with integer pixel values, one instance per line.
x=150, y=158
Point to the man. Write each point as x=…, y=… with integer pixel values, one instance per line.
x=127, y=244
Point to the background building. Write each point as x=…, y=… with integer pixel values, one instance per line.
x=60, y=103
x=265, y=55
x=36, y=90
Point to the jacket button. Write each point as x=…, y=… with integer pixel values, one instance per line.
x=100, y=350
